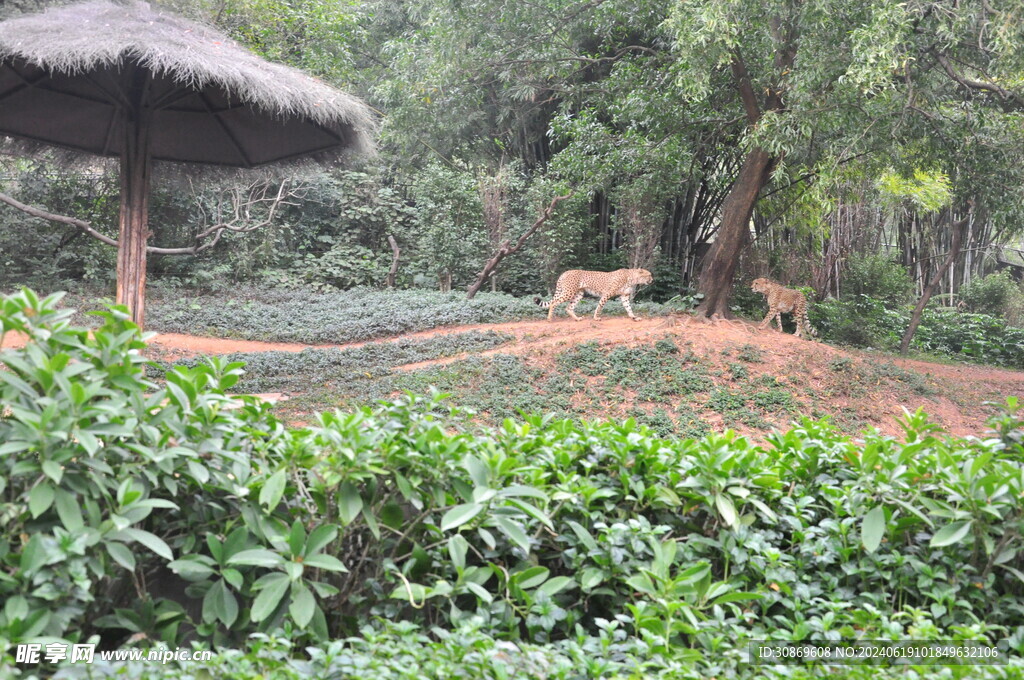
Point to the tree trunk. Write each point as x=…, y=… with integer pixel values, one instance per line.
x=135, y=180
x=733, y=235
x=954, y=252
x=395, y=253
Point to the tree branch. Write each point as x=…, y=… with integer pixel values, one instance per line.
x=1008, y=97
x=506, y=249
x=243, y=200
x=746, y=89
x=53, y=217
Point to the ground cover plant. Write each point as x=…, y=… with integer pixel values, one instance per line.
x=341, y=316
x=402, y=538
x=322, y=378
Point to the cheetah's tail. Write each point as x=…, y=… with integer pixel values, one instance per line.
x=807, y=325
x=537, y=301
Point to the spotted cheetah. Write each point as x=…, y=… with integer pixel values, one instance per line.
x=783, y=300
x=573, y=284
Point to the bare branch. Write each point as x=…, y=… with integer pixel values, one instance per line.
x=241, y=203
x=53, y=217
x=506, y=249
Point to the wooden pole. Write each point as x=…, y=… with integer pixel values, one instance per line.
x=135, y=185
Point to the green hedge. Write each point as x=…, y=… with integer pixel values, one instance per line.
x=137, y=510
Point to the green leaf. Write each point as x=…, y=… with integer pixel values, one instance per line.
x=479, y=591
x=953, y=532
x=872, y=528
x=53, y=470
x=556, y=585
x=327, y=562
x=458, y=546
x=532, y=511
x=302, y=605
x=591, y=577
x=234, y=577
x=40, y=498
x=320, y=538
x=726, y=509
x=121, y=554
x=151, y=541
x=350, y=503
x=269, y=597
x=514, y=532
x=191, y=568
x=14, y=447
x=257, y=557
x=581, y=533
x=273, y=489
x=739, y=596
x=297, y=537
x=16, y=608
x=459, y=515
x=220, y=603
x=531, y=577
x=33, y=555
x=68, y=510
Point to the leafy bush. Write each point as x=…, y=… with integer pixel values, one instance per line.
x=877, y=277
x=861, y=321
x=996, y=294
x=560, y=549
x=978, y=337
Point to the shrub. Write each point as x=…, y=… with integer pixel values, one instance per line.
x=996, y=294
x=978, y=337
x=561, y=549
x=861, y=321
x=877, y=277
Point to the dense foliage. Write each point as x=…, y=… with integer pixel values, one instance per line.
x=884, y=125
x=171, y=511
x=863, y=321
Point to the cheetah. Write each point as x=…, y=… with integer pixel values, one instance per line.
x=573, y=284
x=783, y=300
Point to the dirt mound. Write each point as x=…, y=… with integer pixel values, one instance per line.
x=864, y=388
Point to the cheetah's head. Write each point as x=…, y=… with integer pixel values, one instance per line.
x=760, y=285
x=641, y=277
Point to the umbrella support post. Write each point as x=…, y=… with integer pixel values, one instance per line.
x=134, y=227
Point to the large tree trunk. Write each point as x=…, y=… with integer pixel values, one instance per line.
x=733, y=235
x=954, y=252
x=135, y=179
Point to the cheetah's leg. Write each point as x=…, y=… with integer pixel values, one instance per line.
x=778, y=321
x=572, y=305
x=629, y=309
x=600, y=306
x=556, y=300
x=767, y=319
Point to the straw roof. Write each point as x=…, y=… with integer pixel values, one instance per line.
x=215, y=102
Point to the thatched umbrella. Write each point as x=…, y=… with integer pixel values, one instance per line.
x=120, y=79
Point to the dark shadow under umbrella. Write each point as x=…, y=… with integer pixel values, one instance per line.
x=120, y=79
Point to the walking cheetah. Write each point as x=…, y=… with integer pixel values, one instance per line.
x=783, y=300
x=573, y=284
